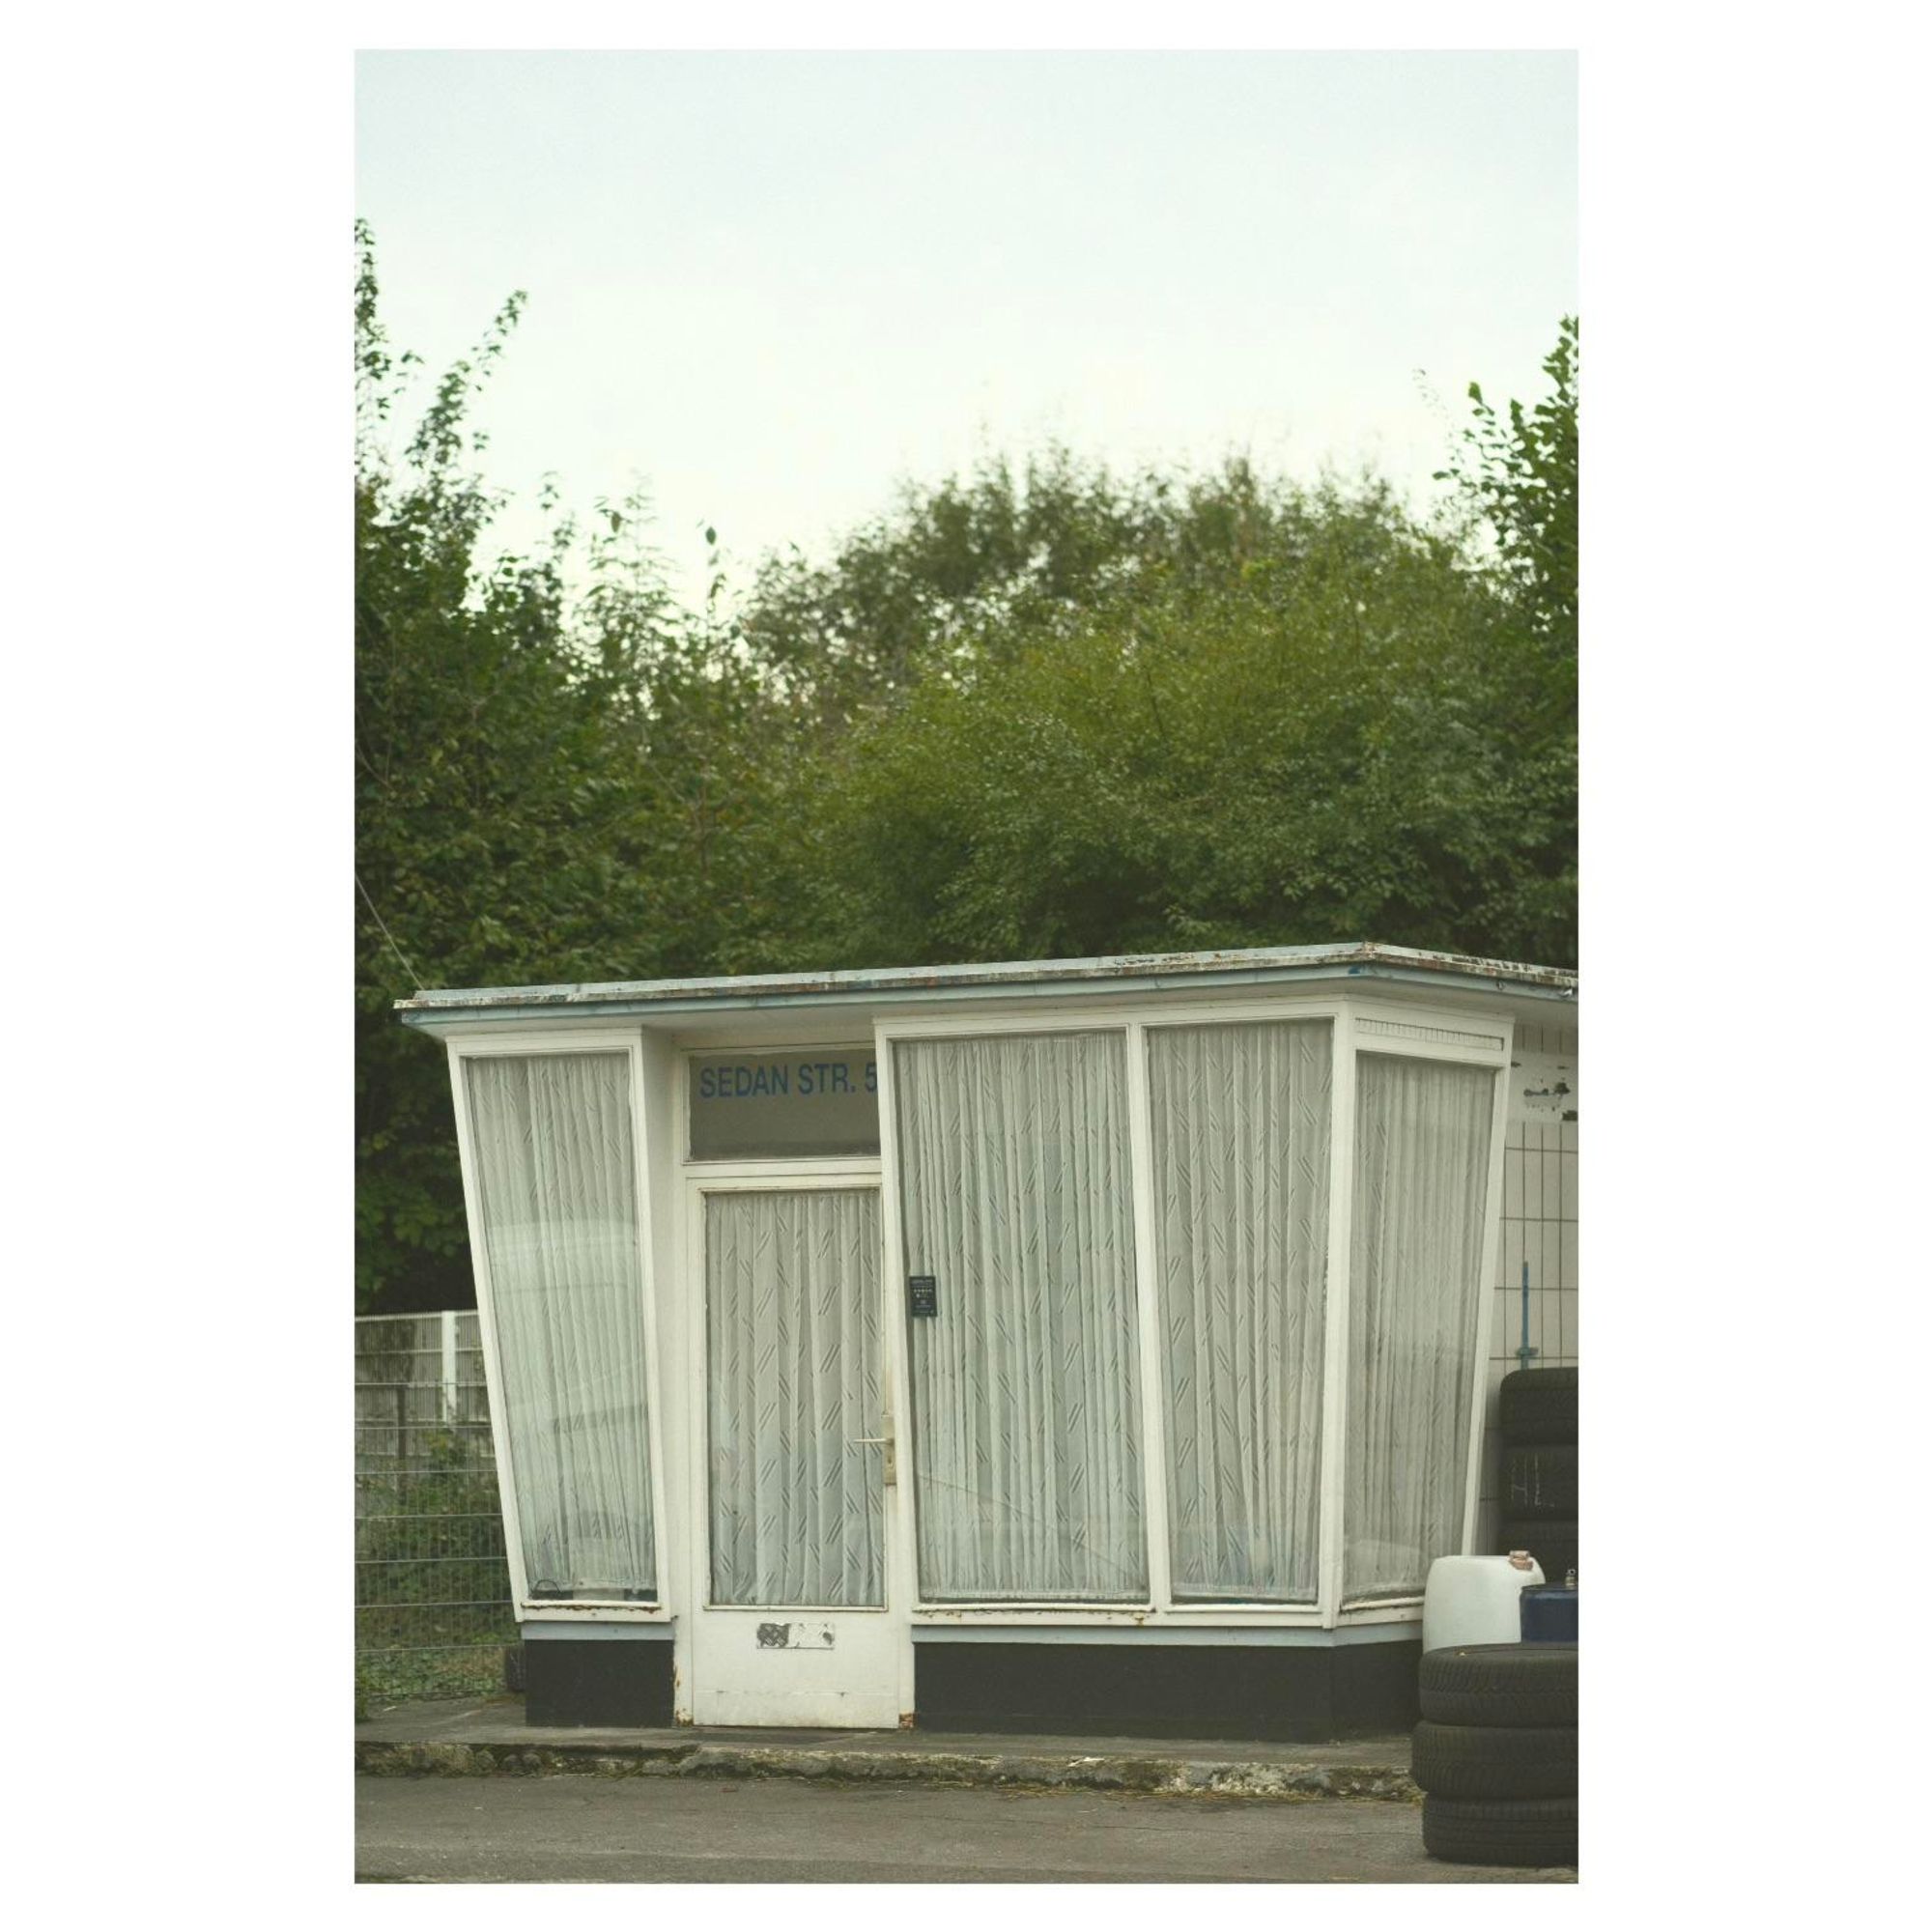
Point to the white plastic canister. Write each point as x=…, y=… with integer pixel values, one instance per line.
x=1476, y=1598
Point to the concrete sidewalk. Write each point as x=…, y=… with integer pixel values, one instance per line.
x=471, y=1738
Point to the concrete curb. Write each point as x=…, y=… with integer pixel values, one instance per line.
x=1189, y=1778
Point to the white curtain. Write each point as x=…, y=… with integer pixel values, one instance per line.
x=1016, y=1191
x=1422, y=1159
x=1240, y=1118
x=557, y=1188
x=791, y=1301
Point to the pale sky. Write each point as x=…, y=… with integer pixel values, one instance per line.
x=769, y=285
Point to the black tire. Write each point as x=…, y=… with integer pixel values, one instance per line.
x=1500, y=1830
x=1553, y=1544
x=513, y=1666
x=1540, y=1480
x=1500, y=1684
x=1539, y=1405
x=1495, y=1760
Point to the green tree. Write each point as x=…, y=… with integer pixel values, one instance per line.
x=1313, y=736
x=1517, y=476
x=1519, y=473
x=956, y=573
x=560, y=775
x=497, y=835
x=1036, y=710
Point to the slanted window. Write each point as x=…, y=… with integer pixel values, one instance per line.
x=556, y=1174
x=1422, y=1168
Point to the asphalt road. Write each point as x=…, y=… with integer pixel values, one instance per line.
x=580, y=1829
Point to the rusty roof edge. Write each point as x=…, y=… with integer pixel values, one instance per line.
x=1155, y=971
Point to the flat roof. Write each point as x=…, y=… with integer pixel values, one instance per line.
x=1137, y=973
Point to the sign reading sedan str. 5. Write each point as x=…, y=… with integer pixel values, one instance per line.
x=775, y=1106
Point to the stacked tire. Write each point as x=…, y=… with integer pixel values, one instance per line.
x=1539, y=1474
x=1495, y=1754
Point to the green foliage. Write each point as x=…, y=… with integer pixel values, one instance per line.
x=433, y=1606
x=977, y=567
x=494, y=817
x=1519, y=473
x=387, y=1678
x=1314, y=739
x=546, y=789
x=1051, y=710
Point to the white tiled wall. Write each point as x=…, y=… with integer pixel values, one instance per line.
x=1538, y=1226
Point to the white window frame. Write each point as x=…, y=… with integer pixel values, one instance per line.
x=681, y=1256
x=1377, y=1609
x=671, y=1250
x=524, y=1042
x=754, y=1177
x=1473, y=1038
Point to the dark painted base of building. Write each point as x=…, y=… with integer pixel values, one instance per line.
x=1302, y=1693
x=1298, y=1693
x=587, y=1682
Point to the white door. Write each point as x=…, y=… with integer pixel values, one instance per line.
x=792, y=1624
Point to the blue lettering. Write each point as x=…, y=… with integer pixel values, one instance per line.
x=817, y=1079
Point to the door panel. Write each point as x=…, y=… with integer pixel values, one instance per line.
x=792, y=1384
x=794, y=1628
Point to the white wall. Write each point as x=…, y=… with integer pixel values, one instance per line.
x=1538, y=1226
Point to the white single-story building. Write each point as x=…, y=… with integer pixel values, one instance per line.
x=1095, y=1343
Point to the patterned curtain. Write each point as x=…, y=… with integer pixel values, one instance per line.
x=1016, y=1191
x=792, y=1321
x=556, y=1183
x=1240, y=1118
x=1422, y=1161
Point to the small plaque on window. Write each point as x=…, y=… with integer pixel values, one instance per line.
x=768, y=1106
x=922, y=1294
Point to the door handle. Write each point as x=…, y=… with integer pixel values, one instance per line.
x=884, y=1442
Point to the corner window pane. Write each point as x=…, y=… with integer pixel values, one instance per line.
x=556, y=1183
x=1422, y=1157
x=1016, y=1193
x=1240, y=1120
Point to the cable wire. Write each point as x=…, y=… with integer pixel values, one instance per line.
x=415, y=978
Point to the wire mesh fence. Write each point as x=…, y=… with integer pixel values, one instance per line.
x=432, y=1609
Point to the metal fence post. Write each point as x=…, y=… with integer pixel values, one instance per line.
x=449, y=1400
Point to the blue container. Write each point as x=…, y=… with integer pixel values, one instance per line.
x=1549, y=1616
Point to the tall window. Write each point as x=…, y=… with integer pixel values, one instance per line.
x=1422, y=1160
x=1016, y=1194
x=556, y=1180
x=1240, y=1118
